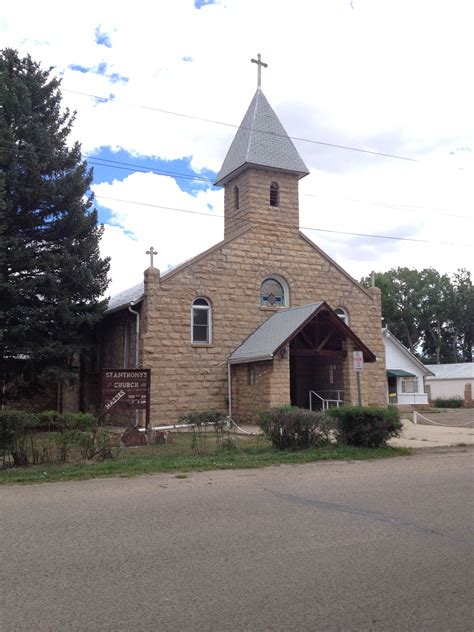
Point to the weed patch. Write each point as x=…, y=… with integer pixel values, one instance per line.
x=180, y=458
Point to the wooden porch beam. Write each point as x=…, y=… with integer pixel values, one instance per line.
x=324, y=353
x=306, y=339
x=325, y=341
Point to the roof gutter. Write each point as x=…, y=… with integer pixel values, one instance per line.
x=251, y=359
x=122, y=306
x=137, y=346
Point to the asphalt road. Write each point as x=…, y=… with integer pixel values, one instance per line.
x=384, y=545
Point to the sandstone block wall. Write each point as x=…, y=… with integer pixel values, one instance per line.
x=190, y=376
x=187, y=376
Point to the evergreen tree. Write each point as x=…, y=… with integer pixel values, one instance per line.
x=51, y=273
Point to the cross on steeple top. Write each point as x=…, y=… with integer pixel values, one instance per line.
x=259, y=63
x=151, y=252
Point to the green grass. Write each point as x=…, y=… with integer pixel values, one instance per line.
x=249, y=452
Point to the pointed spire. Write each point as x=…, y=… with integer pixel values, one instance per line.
x=261, y=141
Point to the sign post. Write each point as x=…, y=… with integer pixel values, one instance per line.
x=125, y=389
x=358, y=358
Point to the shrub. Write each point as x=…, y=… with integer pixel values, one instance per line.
x=369, y=427
x=19, y=443
x=99, y=443
x=48, y=419
x=77, y=421
x=15, y=430
x=448, y=402
x=200, y=417
x=296, y=428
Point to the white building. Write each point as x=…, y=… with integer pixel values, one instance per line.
x=451, y=380
x=405, y=374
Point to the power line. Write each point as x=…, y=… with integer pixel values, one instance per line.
x=172, y=174
x=138, y=168
x=420, y=241
x=216, y=122
x=322, y=230
x=166, y=208
x=399, y=206
x=142, y=168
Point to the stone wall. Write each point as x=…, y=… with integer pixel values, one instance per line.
x=187, y=376
x=250, y=395
x=254, y=201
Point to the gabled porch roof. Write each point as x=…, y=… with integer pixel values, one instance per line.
x=282, y=326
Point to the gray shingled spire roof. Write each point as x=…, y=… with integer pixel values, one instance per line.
x=261, y=141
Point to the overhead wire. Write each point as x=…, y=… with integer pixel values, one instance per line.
x=137, y=168
x=323, y=230
x=110, y=163
x=233, y=125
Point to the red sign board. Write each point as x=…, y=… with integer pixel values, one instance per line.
x=125, y=389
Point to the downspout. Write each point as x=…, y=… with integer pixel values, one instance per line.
x=137, y=345
x=137, y=333
x=229, y=388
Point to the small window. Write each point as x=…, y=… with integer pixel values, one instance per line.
x=331, y=373
x=274, y=194
x=201, y=321
x=251, y=375
x=272, y=293
x=236, y=197
x=342, y=315
x=409, y=384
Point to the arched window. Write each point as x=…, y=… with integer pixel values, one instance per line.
x=236, y=197
x=274, y=194
x=341, y=312
x=201, y=321
x=272, y=292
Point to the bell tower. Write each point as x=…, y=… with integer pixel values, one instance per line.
x=261, y=171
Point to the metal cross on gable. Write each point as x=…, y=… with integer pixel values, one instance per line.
x=259, y=63
x=151, y=252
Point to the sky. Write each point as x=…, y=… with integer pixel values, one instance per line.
x=161, y=86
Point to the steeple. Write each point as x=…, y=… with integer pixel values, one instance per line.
x=261, y=142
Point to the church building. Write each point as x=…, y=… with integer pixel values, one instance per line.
x=263, y=318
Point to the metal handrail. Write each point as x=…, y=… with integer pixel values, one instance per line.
x=325, y=402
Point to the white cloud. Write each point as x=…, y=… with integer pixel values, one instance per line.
x=387, y=76
x=177, y=235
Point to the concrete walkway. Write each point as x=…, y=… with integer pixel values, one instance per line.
x=423, y=436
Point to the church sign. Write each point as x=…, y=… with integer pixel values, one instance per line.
x=125, y=389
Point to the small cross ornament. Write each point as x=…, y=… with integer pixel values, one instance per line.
x=259, y=63
x=151, y=252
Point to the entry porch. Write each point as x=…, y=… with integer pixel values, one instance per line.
x=300, y=356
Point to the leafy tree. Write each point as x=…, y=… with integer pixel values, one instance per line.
x=51, y=273
x=430, y=313
x=401, y=299
x=437, y=298
x=462, y=315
